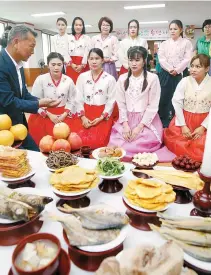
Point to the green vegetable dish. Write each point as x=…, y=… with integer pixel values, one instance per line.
x=110, y=167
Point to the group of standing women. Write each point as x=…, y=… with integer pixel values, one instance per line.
x=90, y=95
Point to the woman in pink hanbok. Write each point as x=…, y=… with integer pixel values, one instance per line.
x=139, y=128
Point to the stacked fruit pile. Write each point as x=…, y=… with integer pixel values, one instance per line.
x=9, y=133
x=62, y=139
x=185, y=163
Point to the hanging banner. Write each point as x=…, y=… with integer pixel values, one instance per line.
x=146, y=33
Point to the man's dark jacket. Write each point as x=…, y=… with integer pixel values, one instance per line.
x=12, y=102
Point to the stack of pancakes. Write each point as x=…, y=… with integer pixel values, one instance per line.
x=14, y=163
x=149, y=194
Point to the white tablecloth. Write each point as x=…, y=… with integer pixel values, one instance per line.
x=41, y=178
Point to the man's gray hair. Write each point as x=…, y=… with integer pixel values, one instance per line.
x=21, y=32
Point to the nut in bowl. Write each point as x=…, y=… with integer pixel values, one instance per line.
x=36, y=254
x=145, y=160
x=186, y=164
x=114, y=152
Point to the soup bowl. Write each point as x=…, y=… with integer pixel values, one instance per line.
x=48, y=269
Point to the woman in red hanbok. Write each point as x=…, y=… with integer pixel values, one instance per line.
x=95, y=102
x=79, y=47
x=57, y=86
x=192, y=102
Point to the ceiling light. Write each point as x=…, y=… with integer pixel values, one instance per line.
x=86, y=26
x=154, y=22
x=48, y=14
x=145, y=6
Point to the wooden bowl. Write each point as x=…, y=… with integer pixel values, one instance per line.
x=89, y=261
x=49, y=269
x=184, y=169
x=64, y=264
x=144, y=167
x=11, y=234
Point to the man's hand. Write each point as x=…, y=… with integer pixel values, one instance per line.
x=48, y=102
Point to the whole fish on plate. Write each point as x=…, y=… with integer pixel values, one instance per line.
x=36, y=201
x=188, y=236
x=79, y=236
x=101, y=216
x=13, y=210
x=196, y=223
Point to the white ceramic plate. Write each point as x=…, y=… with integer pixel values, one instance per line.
x=112, y=177
x=206, y=266
x=30, y=174
x=95, y=153
x=25, y=190
x=70, y=194
x=110, y=245
x=143, y=209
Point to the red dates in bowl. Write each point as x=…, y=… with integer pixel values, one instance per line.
x=186, y=164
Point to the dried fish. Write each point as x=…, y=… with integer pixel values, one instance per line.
x=196, y=223
x=188, y=236
x=100, y=216
x=13, y=210
x=79, y=236
x=36, y=201
x=197, y=252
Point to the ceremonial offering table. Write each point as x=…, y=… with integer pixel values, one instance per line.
x=135, y=237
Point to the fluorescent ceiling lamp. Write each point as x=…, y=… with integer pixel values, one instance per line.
x=48, y=14
x=86, y=26
x=154, y=22
x=152, y=6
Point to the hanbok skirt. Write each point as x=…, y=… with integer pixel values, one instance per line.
x=72, y=73
x=123, y=70
x=110, y=68
x=181, y=145
x=40, y=126
x=168, y=85
x=96, y=136
x=149, y=140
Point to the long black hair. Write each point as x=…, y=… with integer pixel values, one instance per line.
x=137, y=23
x=73, y=23
x=97, y=51
x=179, y=24
x=134, y=53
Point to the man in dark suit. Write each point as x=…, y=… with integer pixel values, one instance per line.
x=15, y=99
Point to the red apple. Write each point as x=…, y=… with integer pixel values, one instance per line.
x=61, y=144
